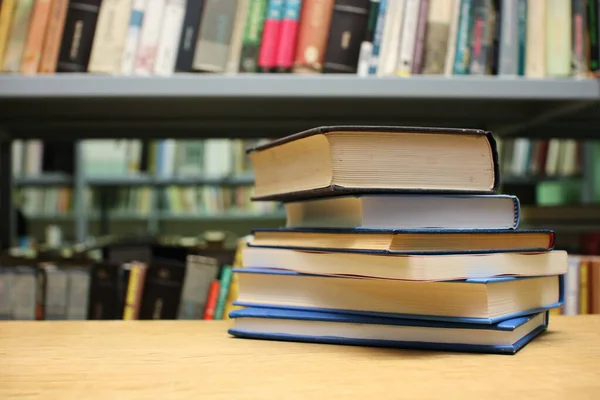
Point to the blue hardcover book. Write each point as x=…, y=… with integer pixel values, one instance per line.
x=406, y=211
x=477, y=301
x=505, y=337
x=402, y=241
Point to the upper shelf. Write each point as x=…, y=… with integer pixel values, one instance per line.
x=270, y=105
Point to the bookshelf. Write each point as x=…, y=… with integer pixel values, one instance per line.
x=559, y=364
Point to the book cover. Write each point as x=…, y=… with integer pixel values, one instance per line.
x=271, y=35
x=289, y=35
x=253, y=32
x=313, y=33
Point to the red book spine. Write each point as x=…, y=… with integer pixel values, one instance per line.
x=289, y=34
x=211, y=299
x=269, y=45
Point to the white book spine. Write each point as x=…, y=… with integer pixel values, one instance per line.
x=168, y=43
x=149, y=35
x=132, y=38
x=449, y=64
x=571, y=306
x=391, y=38
x=110, y=35
x=408, y=37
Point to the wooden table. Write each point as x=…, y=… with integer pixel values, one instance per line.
x=198, y=360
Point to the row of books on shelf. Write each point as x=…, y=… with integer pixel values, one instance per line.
x=202, y=287
x=214, y=158
x=582, y=286
x=172, y=200
x=535, y=38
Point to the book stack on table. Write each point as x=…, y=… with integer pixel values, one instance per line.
x=395, y=237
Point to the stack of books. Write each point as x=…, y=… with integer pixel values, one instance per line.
x=395, y=237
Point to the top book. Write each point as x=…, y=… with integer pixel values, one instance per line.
x=338, y=160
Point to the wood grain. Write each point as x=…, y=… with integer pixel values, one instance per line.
x=198, y=360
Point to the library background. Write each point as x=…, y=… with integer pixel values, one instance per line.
x=124, y=124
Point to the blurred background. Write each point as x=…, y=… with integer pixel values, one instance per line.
x=124, y=125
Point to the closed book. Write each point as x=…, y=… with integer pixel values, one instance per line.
x=168, y=42
x=535, y=65
x=110, y=37
x=35, y=37
x=237, y=37
x=269, y=45
x=348, y=27
x=149, y=35
x=408, y=37
x=462, y=45
x=13, y=55
x=558, y=38
x=391, y=38
x=289, y=35
x=419, y=48
x=437, y=36
x=132, y=38
x=253, y=30
x=189, y=35
x=53, y=36
x=216, y=28
x=378, y=38
x=200, y=272
x=78, y=35
x=331, y=160
x=366, y=46
x=6, y=18
x=505, y=337
x=408, y=267
x=162, y=290
x=104, y=296
x=482, y=32
x=313, y=33
x=478, y=301
x=406, y=241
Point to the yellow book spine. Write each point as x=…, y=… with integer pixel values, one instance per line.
x=583, y=288
x=234, y=288
x=132, y=295
x=6, y=16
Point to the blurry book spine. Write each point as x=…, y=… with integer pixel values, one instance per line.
x=53, y=36
x=103, y=298
x=35, y=37
x=521, y=35
x=558, y=38
x=593, y=44
x=536, y=35
x=391, y=39
x=211, y=300
x=170, y=36
x=132, y=38
x=267, y=57
x=366, y=46
x=78, y=35
x=226, y=274
x=149, y=34
x=110, y=37
x=437, y=35
x=482, y=30
x=408, y=37
x=237, y=37
x=289, y=35
x=378, y=37
x=313, y=32
x=216, y=28
x=162, y=293
x=419, y=47
x=135, y=289
x=200, y=272
x=461, y=54
x=6, y=19
x=253, y=29
x=17, y=36
x=348, y=27
x=189, y=35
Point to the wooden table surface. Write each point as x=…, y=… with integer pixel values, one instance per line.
x=198, y=360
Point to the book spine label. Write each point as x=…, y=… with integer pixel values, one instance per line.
x=348, y=28
x=417, y=62
x=17, y=36
x=378, y=38
x=189, y=35
x=252, y=35
x=212, y=48
x=271, y=35
x=35, y=37
x=366, y=47
x=146, y=53
x=168, y=41
x=461, y=55
x=80, y=26
x=593, y=14
x=315, y=20
x=53, y=37
x=289, y=34
x=6, y=16
x=408, y=37
x=237, y=37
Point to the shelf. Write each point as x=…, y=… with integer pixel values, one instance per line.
x=44, y=180
x=271, y=105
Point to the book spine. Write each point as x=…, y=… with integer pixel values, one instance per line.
x=35, y=37
x=478, y=63
x=211, y=300
x=558, y=38
x=391, y=40
x=17, y=36
x=78, y=35
x=439, y=20
x=461, y=55
x=252, y=35
x=212, y=47
x=348, y=27
x=536, y=34
x=315, y=20
x=168, y=41
x=135, y=287
x=223, y=291
x=408, y=37
x=6, y=17
x=189, y=35
x=509, y=39
x=378, y=37
x=366, y=47
x=109, y=38
x=151, y=26
x=237, y=37
x=419, y=51
x=132, y=38
x=289, y=35
x=521, y=36
x=452, y=38
x=271, y=35
x=593, y=13
x=53, y=37
x=579, y=36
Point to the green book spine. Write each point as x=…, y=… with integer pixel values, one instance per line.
x=226, y=275
x=462, y=56
x=253, y=35
x=522, y=27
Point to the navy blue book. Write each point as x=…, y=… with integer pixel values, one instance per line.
x=400, y=241
x=330, y=160
x=479, y=301
x=405, y=211
x=505, y=337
